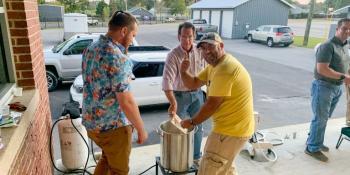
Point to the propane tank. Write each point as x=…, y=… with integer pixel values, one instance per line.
x=74, y=150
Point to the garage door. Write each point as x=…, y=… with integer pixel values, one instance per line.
x=205, y=15
x=215, y=18
x=227, y=22
x=196, y=14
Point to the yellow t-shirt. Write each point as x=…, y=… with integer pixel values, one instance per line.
x=230, y=80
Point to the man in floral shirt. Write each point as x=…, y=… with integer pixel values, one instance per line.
x=109, y=108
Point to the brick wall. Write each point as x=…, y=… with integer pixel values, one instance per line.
x=23, y=19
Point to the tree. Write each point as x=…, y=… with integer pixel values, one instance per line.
x=115, y=5
x=105, y=14
x=190, y=2
x=177, y=7
x=99, y=8
x=308, y=24
x=70, y=6
x=148, y=4
x=167, y=3
x=41, y=1
x=336, y=4
x=83, y=4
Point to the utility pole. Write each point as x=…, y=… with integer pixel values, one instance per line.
x=126, y=5
x=308, y=24
x=155, y=13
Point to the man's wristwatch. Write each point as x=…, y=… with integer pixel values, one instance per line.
x=342, y=77
x=192, y=123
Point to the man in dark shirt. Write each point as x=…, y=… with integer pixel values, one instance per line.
x=332, y=60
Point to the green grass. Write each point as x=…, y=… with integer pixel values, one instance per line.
x=298, y=41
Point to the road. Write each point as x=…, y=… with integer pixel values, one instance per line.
x=281, y=79
x=319, y=27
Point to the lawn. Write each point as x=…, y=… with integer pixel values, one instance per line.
x=298, y=41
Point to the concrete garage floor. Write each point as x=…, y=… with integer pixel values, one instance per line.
x=281, y=77
x=291, y=157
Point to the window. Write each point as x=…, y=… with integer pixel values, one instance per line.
x=143, y=70
x=79, y=47
x=58, y=47
x=3, y=68
x=160, y=70
x=259, y=29
x=267, y=29
x=284, y=30
x=199, y=21
x=7, y=75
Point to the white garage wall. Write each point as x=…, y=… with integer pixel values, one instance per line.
x=196, y=14
x=215, y=18
x=205, y=15
x=227, y=23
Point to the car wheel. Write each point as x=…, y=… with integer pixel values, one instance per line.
x=270, y=42
x=197, y=36
x=286, y=45
x=52, y=81
x=250, y=38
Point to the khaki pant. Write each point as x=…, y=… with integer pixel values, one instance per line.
x=347, y=118
x=116, y=148
x=219, y=154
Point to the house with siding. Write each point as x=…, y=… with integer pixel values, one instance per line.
x=344, y=11
x=140, y=13
x=235, y=18
x=298, y=12
x=50, y=13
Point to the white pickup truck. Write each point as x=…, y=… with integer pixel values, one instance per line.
x=63, y=62
x=92, y=21
x=202, y=27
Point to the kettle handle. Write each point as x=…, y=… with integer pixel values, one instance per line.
x=158, y=132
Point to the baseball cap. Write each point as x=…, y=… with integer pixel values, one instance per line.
x=211, y=38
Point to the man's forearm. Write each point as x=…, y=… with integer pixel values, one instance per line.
x=207, y=110
x=190, y=81
x=130, y=108
x=170, y=96
x=331, y=74
x=328, y=72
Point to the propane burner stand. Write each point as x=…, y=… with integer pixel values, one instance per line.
x=165, y=171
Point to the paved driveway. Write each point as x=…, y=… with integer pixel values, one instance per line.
x=281, y=79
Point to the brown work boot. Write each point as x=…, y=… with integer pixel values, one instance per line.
x=317, y=155
x=324, y=148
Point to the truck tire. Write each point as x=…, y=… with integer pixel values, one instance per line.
x=250, y=38
x=286, y=45
x=52, y=80
x=197, y=36
x=269, y=42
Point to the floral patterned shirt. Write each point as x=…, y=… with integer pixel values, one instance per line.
x=106, y=71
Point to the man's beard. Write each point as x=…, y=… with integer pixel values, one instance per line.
x=125, y=44
x=212, y=59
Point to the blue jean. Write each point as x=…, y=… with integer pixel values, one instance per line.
x=325, y=97
x=188, y=104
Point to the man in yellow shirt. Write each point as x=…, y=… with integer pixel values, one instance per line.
x=229, y=103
